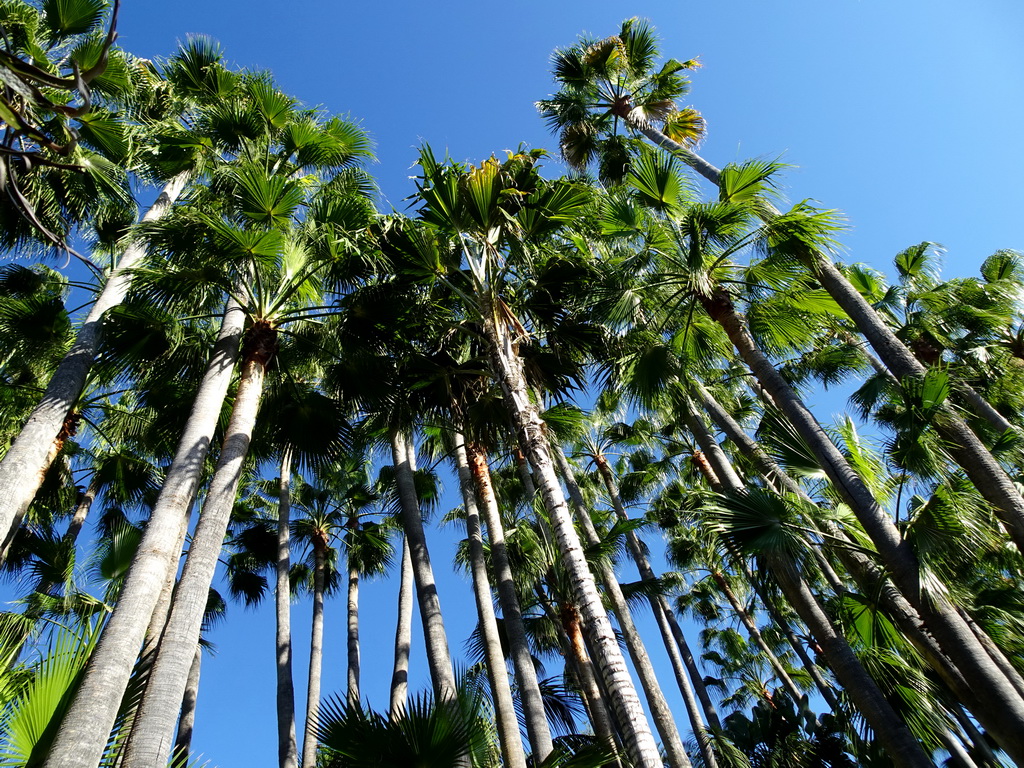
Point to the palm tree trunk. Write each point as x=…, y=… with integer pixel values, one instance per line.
x=438, y=658
x=316, y=657
x=941, y=618
x=640, y=742
x=723, y=475
x=82, y=512
x=889, y=728
x=689, y=679
x=150, y=744
x=187, y=718
x=84, y=730
x=352, y=627
x=537, y=728
x=287, y=750
x=162, y=611
x=403, y=636
x=660, y=712
x=578, y=658
x=866, y=573
x=962, y=444
x=24, y=465
x=497, y=673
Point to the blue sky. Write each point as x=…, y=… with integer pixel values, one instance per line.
x=905, y=116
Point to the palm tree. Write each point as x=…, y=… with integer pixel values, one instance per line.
x=196, y=82
x=611, y=80
x=494, y=660
x=494, y=226
x=282, y=271
x=703, y=279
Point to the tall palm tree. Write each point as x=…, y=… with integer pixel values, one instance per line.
x=497, y=212
x=260, y=232
x=610, y=82
x=704, y=278
x=198, y=79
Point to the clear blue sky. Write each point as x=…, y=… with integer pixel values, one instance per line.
x=906, y=116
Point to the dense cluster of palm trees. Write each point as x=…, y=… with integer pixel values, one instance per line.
x=268, y=373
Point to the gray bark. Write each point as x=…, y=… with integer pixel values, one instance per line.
x=150, y=744
x=82, y=512
x=497, y=673
x=84, y=731
x=660, y=711
x=869, y=576
x=24, y=465
x=403, y=636
x=962, y=444
x=439, y=661
x=889, y=729
x=859, y=685
x=725, y=476
x=537, y=728
x=352, y=636
x=187, y=718
x=639, y=741
x=688, y=675
x=941, y=619
x=287, y=750
x=316, y=657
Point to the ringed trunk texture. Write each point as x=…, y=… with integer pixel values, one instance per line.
x=24, y=465
x=889, y=728
x=403, y=636
x=150, y=744
x=497, y=673
x=83, y=733
x=316, y=657
x=963, y=445
x=639, y=742
x=722, y=474
x=537, y=729
x=82, y=512
x=660, y=711
x=868, y=576
x=688, y=675
x=352, y=636
x=941, y=619
x=438, y=657
x=187, y=718
x=287, y=750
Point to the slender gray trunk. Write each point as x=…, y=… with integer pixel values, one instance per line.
x=497, y=673
x=287, y=750
x=640, y=742
x=688, y=675
x=352, y=634
x=537, y=728
x=962, y=444
x=316, y=657
x=889, y=728
x=955, y=638
x=567, y=618
x=866, y=573
x=660, y=711
x=187, y=718
x=438, y=658
x=85, y=728
x=724, y=476
x=403, y=636
x=859, y=685
x=82, y=512
x=151, y=743
x=24, y=465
